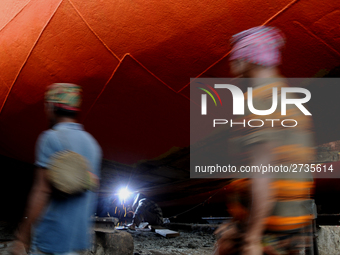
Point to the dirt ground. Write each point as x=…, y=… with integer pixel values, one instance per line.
x=150, y=243
x=188, y=243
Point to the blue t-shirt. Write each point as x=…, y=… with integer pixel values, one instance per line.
x=66, y=224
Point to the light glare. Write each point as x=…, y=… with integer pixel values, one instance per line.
x=124, y=193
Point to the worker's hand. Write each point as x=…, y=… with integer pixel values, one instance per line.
x=225, y=230
x=252, y=244
x=254, y=248
x=18, y=248
x=228, y=239
x=132, y=226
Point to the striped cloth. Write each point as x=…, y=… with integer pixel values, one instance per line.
x=259, y=45
x=291, y=214
x=230, y=241
x=64, y=95
x=292, y=146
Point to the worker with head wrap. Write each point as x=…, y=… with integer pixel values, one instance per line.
x=270, y=215
x=60, y=221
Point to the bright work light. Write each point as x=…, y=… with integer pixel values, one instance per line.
x=124, y=194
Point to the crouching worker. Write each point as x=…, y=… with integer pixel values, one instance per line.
x=146, y=210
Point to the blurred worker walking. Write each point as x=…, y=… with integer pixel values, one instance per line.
x=271, y=215
x=60, y=225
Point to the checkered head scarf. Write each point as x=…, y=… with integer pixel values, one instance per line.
x=258, y=45
x=64, y=95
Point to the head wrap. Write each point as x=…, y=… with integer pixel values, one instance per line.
x=64, y=95
x=258, y=45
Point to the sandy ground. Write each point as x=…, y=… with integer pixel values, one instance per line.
x=188, y=243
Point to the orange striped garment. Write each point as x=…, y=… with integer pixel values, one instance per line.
x=289, y=146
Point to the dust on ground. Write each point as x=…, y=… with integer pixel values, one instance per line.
x=188, y=243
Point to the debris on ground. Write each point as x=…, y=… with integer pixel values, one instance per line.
x=187, y=243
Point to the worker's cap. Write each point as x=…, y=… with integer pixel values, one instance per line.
x=64, y=95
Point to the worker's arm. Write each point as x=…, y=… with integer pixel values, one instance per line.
x=262, y=201
x=135, y=221
x=37, y=202
x=137, y=215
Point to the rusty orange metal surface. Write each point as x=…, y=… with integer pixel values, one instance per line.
x=135, y=60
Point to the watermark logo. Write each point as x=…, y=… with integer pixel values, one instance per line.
x=238, y=100
x=229, y=115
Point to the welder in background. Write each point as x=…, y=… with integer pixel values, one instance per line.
x=145, y=210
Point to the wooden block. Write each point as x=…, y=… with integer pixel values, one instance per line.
x=167, y=233
x=143, y=225
x=154, y=227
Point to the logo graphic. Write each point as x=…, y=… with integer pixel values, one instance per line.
x=238, y=100
x=204, y=98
